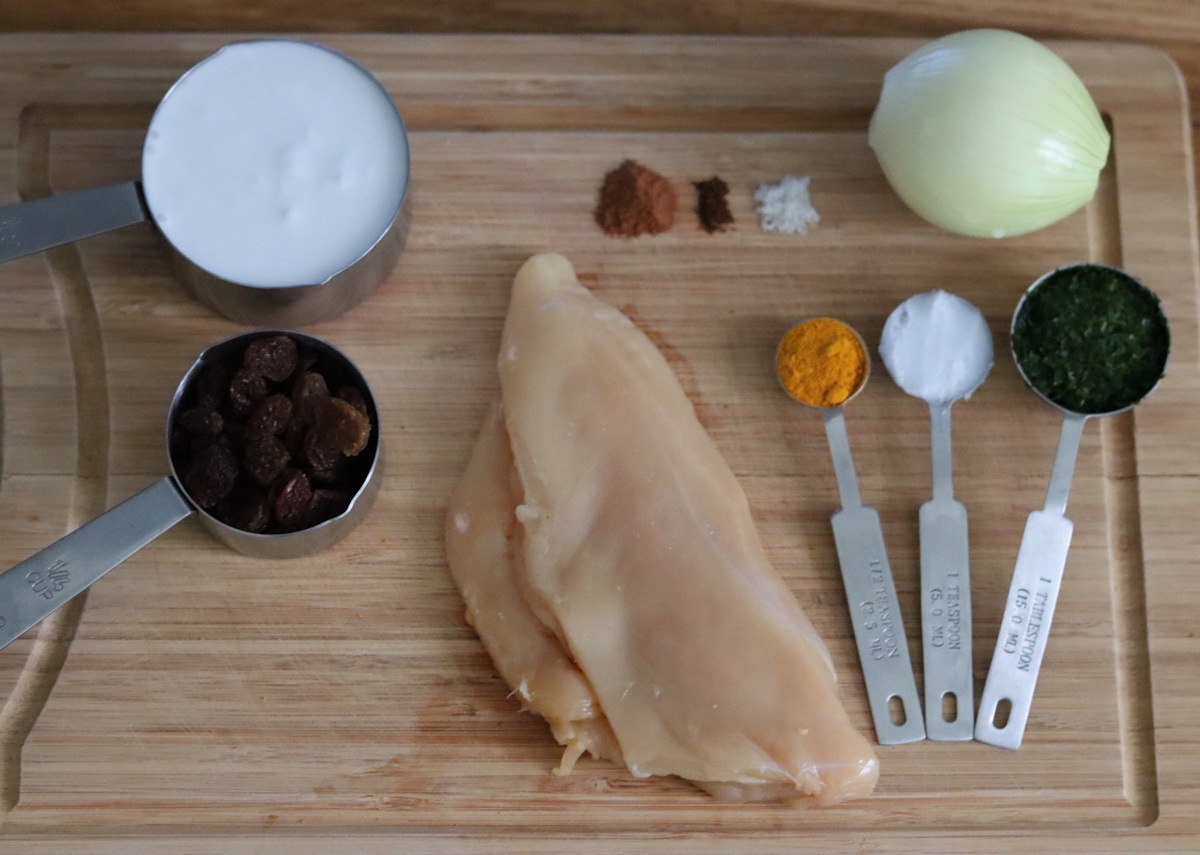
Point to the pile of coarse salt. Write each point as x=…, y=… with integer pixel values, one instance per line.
x=785, y=207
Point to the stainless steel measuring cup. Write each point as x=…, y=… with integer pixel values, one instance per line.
x=30, y=227
x=870, y=590
x=1037, y=578
x=40, y=584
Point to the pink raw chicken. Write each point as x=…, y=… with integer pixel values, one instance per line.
x=610, y=565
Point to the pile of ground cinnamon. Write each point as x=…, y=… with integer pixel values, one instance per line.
x=635, y=200
x=712, y=204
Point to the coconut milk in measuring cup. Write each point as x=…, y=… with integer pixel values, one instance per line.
x=276, y=171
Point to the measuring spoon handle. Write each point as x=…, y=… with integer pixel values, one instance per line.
x=946, y=621
x=40, y=584
x=1032, y=596
x=946, y=597
x=871, y=596
x=878, y=629
x=33, y=226
x=1024, y=628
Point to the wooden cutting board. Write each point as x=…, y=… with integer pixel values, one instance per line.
x=205, y=702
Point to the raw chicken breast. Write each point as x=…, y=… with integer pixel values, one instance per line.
x=631, y=546
x=479, y=527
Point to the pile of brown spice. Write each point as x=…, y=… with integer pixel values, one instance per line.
x=712, y=204
x=635, y=200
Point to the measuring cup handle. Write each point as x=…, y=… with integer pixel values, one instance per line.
x=30, y=227
x=38, y=585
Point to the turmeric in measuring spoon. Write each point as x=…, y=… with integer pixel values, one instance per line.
x=822, y=362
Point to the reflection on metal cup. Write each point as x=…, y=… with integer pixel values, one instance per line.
x=299, y=305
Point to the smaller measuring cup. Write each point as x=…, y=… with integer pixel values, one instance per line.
x=1041, y=560
x=870, y=591
x=37, y=586
x=275, y=172
x=937, y=347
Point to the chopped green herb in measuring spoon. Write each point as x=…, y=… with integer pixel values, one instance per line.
x=1094, y=341
x=1091, y=338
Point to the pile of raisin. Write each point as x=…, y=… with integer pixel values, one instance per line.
x=272, y=443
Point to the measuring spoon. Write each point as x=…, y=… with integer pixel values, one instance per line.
x=870, y=591
x=937, y=347
x=1025, y=627
x=39, y=585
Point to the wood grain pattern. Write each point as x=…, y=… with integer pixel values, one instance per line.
x=1170, y=25
x=226, y=704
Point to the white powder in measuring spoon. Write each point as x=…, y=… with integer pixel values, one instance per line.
x=937, y=347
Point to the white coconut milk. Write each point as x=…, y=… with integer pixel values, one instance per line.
x=275, y=163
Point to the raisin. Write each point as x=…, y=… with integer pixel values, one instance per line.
x=326, y=463
x=245, y=390
x=212, y=386
x=334, y=476
x=353, y=396
x=289, y=499
x=274, y=358
x=270, y=417
x=255, y=439
x=212, y=474
x=342, y=427
x=202, y=420
x=326, y=504
x=306, y=360
x=309, y=387
x=264, y=459
x=245, y=508
x=293, y=438
x=235, y=433
x=197, y=442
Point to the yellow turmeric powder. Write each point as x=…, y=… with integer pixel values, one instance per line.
x=821, y=362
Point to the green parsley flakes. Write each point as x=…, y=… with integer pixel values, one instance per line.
x=1091, y=339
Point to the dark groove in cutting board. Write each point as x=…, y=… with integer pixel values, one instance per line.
x=1123, y=506
x=90, y=493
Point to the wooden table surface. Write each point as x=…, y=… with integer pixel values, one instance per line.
x=208, y=695
x=1171, y=25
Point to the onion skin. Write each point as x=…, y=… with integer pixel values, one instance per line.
x=988, y=133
